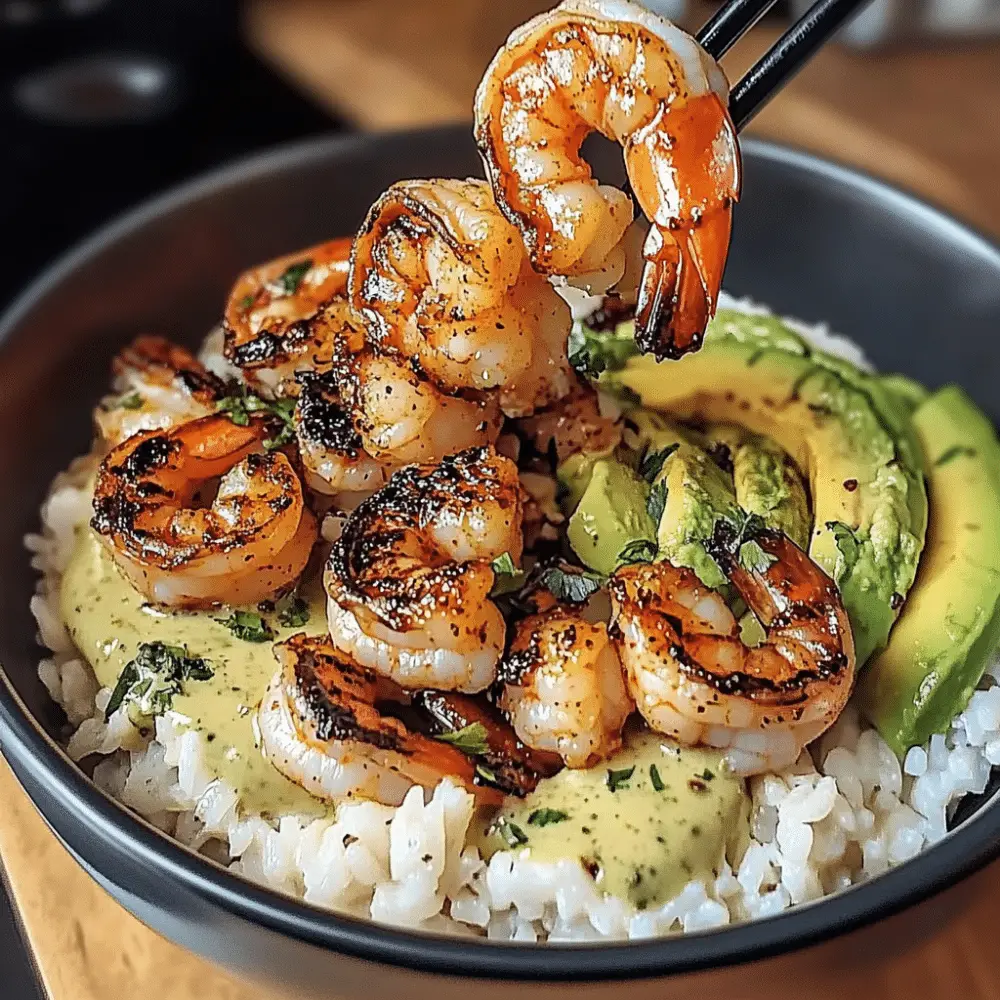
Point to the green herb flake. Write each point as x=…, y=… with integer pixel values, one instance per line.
x=616, y=779
x=543, y=817
x=657, y=501
x=510, y=833
x=292, y=610
x=570, y=586
x=245, y=303
x=956, y=451
x=754, y=559
x=148, y=683
x=708, y=775
x=248, y=626
x=486, y=774
x=287, y=283
x=471, y=739
x=133, y=401
x=507, y=577
x=651, y=464
x=592, y=352
x=655, y=779
x=640, y=550
x=849, y=546
x=239, y=408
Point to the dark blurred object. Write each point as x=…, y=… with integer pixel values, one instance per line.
x=892, y=20
x=19, y=980
x=107, y=101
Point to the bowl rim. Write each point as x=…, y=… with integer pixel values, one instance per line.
x=35, y=755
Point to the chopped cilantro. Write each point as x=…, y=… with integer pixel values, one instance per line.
x=507, y=577
x=570, y=586
x=149, y=682
x=246, y=302
x=240, y=407
x=754, y=559
x=486, y=774
x=618, y=778
x=287, y=283
x=651, y=464
x=594, y=351
x=470, y=739
x=657, y=501
x=510, y=833
x=848, y=544
x=248, y=626
x=654, y=777
x=708, y=775
x=543, y=817
x=639, y=550
x=292, y=611
x=132, y=401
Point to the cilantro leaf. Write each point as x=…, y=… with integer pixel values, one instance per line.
x=543, y=817
x=848, y=544
x=149, y=682
x=655, y=779
x=639, y=550
x=248, y=626
x=246, y=302
x=592, y=352
x=486, y=774
x=573, y=587
x=651, y=464
x=132, y=401
x=510, y=833
x=287, y=283
x=292, y=611
x=240, y=407
x=754, y=559
x=507, y=577
x=618, y=778
x=657, y=501
x=471, y=740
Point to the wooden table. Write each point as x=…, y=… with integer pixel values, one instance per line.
x=926, y=120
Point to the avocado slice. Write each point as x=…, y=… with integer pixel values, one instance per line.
x=851, y=436
x=950, y=626
x=611, y=515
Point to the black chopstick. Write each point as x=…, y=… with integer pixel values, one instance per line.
x=788, y=55
x=730, y=23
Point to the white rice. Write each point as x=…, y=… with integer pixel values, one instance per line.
x=815, y=829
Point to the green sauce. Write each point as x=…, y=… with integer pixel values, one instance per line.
x=108, y=619
x=675, y=818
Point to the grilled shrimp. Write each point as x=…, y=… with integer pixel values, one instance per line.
x=563, y=688
x=324, y=724
x=274, y=323
x=442, y=278
x=612, y=66
x=250, y=544
x=694, y=679
x=408, y=582
x=157, y=385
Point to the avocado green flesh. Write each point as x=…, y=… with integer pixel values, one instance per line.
x=950, y=625
x=851, y=436
x=108, y=618
x=611, y=514
x=643, y=841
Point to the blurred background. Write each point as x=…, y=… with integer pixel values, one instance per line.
x=107, y=101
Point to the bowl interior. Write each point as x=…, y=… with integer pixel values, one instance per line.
x=919, y=292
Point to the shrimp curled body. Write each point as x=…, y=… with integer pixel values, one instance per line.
x=442, y=278
x=692, y=676
x=251, y=544
x=612, y=66
x=408, y=581
x=563, y=687
x=323, y=724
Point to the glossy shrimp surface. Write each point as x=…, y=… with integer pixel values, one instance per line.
x=324, y=724
x=692, y=676
x=409, y=580
x=157, y=384
x=563, y=688
x=274, y=322
x=251, y=543
x=614, y=67
x=442, y=278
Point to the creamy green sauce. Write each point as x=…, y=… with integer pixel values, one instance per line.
x=108, y=619
x=641, y=836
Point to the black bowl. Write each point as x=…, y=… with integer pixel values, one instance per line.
x=920, y=292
